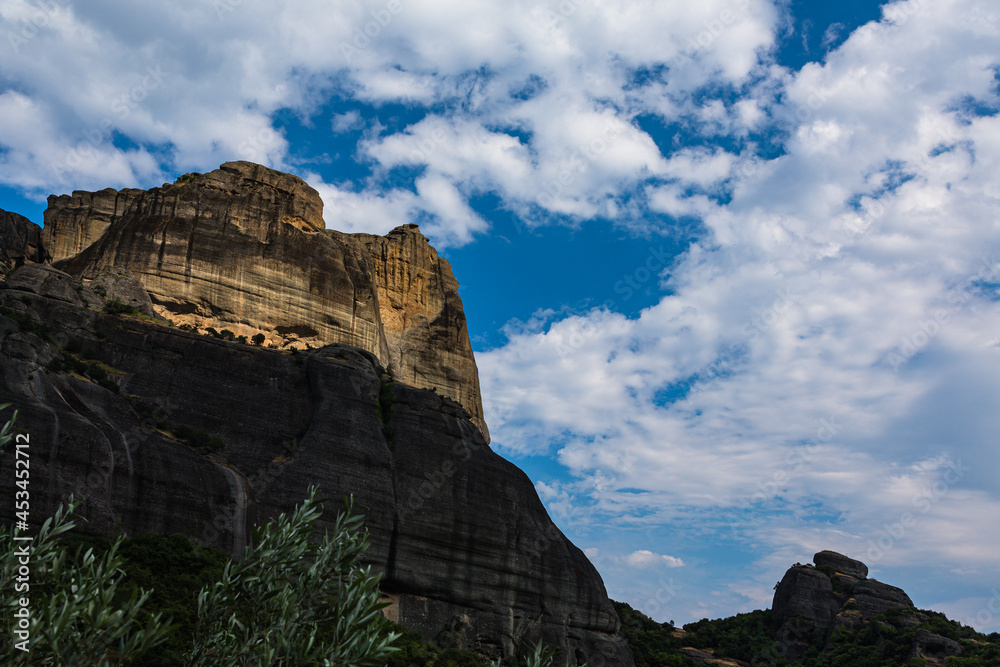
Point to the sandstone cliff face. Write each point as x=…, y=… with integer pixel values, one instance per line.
x=423, y=318
x=241, y=248
x=74, y=222
x=469, y=554
x=245, y=249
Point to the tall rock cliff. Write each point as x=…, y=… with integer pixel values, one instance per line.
x=74, y=222
x=20, y=241
x=423, y=318
x=245, y=248
x=164, y=430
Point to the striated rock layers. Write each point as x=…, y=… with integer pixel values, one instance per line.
x=164, y=430
x=245, y=249
x=423, y=318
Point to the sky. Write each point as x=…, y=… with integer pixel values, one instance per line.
x=731, y=268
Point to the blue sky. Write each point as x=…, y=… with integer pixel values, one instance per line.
x=730, y=267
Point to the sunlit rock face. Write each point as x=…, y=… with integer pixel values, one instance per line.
x=423, y=318
x=245, y=249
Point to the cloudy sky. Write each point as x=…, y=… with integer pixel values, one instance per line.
x=731, y=268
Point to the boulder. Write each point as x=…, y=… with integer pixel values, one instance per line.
x=841, y=563
x=118, y=285
x=873, y=598
x=807, y=594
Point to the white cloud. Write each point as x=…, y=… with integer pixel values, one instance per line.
x=345, y=122
x=350, y=212
x=226, y=68
x=815, y=362
x=644, y=558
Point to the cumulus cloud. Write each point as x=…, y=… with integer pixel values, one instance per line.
x=819, y=364
x=644, y=558
x=537, y=99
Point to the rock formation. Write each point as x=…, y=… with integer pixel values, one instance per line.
x=20, y=241
x=165, y=430
x=835, y=593
x=74, y=222
x=423, y=318
x=245, y=249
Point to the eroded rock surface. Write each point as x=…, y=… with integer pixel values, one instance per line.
x=423, y=318
x=245, y=249
x=468, y=552
x=20, y=241
x=242, y=248
x=841, y=563
x=833, y=594
x=74, y=222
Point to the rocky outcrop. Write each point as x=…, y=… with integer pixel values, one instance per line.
x=245, y=249
x=423, y=318
x=118, y=286
x=832, y=595
x=112, y=403
x=242, y=248
x=20, y=241
x=74, y=222
x=873, y=597
x=841, y=563
x=807, y=594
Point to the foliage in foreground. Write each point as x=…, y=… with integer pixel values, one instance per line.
x=73, y=620
x=653, y=644
x=293, y=602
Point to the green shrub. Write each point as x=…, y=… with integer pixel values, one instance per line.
x=116, y=306
x=24, y=321
x=198, y=438
x=74, y=619
x=92, y=370
x=293, y=602
x=187, y=178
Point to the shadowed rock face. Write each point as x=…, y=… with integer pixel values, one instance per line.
x=468, y=552
x=806, y=593
x=834, y=594
x=245, y=248
x=20, y=241
x=841, y=563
